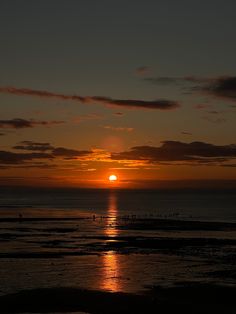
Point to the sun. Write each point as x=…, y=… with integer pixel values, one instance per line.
x=112, y=178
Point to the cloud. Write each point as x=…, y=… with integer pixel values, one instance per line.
x=214, y=120
x=55, y=152
x=109, y=127
x=69, y=153
x=39, y=151
x=186, y=133
x=123, y=168
x=168, y=153
x=214, y=116
x=90, y=116
x=229, y=165
x=214, y=112
x=37, y=165
x=18, y=123
x=118, y=113
x=168, y=80
x=19, y=158
x=142, y=70
x=222, y=87
x=163, y=80
x=161, y=104
x=63, y=152
x=202, y=106
x=86, y=170
x=34, y=146
x=174, y=151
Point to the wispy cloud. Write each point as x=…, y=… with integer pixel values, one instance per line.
x=34, y=146
x=168, y=80
x=186, y=133
x=142, y=70
x=19, y=123
x=215, y=112
x=113, y=128
x=37, y=165
x=202, y=106
x=61, y=153
x=161, y=104
x=53, y=152
x=215, y=120
x=85, y=117
x=220, y=87
x=118, y=113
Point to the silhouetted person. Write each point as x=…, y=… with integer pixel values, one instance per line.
x=20, y=217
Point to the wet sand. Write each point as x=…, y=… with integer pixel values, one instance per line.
x=181, y=225
x=122, y=265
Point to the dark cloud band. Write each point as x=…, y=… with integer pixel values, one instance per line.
x=174, y=151
x=37, y=151
x=222, y=87
x=161, y=104
x=23, y=123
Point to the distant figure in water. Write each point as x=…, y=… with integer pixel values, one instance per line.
x=20, y=216
x=94, y=217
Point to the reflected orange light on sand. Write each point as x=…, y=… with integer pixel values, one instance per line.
x=110, y=279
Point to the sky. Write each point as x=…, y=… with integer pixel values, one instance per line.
x=145, y=90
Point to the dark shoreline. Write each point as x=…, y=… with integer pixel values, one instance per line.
x=188, y=298
x=203, y=257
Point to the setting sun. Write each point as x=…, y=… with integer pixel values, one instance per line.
x=112, y=178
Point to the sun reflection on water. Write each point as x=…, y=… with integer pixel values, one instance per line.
x=110, y=278
x=110, y=228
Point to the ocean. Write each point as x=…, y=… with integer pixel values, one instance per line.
x=210, y=205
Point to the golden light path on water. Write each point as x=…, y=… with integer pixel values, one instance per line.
x=110, y=278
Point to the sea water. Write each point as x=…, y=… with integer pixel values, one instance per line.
x=199, y=204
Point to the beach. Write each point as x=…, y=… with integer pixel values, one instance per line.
x=54, y=261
